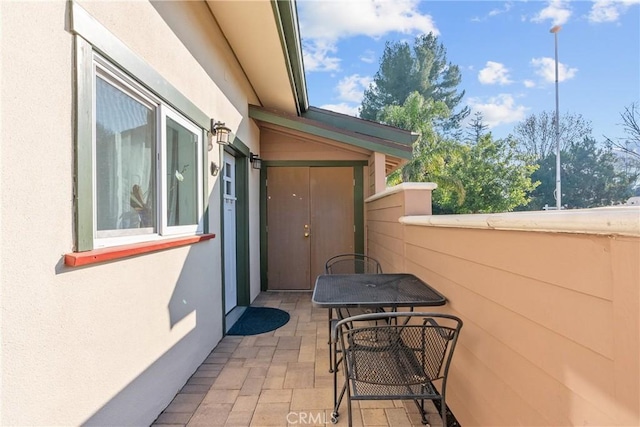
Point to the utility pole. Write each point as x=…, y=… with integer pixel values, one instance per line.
x=558, y=190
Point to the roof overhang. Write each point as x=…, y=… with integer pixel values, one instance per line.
x=350, y=131
x=265, y=38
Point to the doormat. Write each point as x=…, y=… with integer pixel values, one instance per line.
x=258, y=320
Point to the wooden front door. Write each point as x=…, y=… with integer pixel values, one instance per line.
x=310, y=217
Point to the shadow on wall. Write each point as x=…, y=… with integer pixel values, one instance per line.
x=194, y=282
x=194, y=295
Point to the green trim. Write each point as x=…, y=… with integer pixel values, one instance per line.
x=84, y=146
x=243, y=285
x=264, y=260
x=205, y=184
x=242, y=231
x=243, y=274
x=286, y=18
x=222, y=264
x=312, y=127
x=103, y=41
x=358, y=209
x=239, y=146
x=316, y=163
x=354, y=124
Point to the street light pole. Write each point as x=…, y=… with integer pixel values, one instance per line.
x=555, y=29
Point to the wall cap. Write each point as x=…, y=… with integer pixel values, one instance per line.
x=614, y=220
x=405, y=186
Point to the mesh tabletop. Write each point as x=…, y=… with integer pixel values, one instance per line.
x=374, y=290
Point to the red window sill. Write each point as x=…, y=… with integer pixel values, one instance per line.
x=78, y=259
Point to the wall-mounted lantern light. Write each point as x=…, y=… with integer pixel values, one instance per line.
x=220, y=132
x=256, y=162
x=214, y=169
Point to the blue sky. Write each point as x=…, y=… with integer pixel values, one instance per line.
x=504, y=50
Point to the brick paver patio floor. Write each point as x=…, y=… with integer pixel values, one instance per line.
x=279, y=378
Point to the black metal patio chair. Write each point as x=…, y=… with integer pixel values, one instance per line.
x=396, y=356
x=352, y=264
x=348, y=263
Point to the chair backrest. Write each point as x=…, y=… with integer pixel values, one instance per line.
x=398, y=349
x=352, y=264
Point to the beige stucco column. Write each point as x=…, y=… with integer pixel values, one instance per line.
x=383, y=212
x=377, y=168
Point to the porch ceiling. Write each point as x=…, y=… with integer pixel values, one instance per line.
x=265, y=39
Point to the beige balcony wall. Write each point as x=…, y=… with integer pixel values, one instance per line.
x=384, y=232
x=551, y=317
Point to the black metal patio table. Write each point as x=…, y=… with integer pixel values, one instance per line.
x=386, y=290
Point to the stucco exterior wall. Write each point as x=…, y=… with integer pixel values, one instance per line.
x=110, y=343
x=551, y=330
x=377, y=177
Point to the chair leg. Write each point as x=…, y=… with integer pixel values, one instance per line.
x=331, y=345
x=420, y=405
x=335, y=393
x=443, y=411
x=349, y=411
x=337, y=401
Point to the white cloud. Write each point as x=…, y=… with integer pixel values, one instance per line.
x=343, y=108
x=545, y=68
x=529, y=83
x=351, y=88
x=609, y=10
x=324, y=23
x=557, y=11
x=317, y=57
x=368, y=56
x=332, y=20
x=506, y=8
x=498, y=110
x=494, y=12
x=494, y=73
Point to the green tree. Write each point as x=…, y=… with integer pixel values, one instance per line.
x=476, y=128
x=432, y=154
x=495, y=177
x=536, y=134
x=484, y=176
x=628, y=146
x=589, y=178
x=424, y=70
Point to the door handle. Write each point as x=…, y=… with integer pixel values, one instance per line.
x=307, y=232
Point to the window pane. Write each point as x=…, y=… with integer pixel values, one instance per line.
x=125, y=153
x=182, y=180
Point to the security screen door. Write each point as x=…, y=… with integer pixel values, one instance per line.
x=310, y=217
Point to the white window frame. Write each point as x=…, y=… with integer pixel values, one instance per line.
x=165, y=229
x=112, y=75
